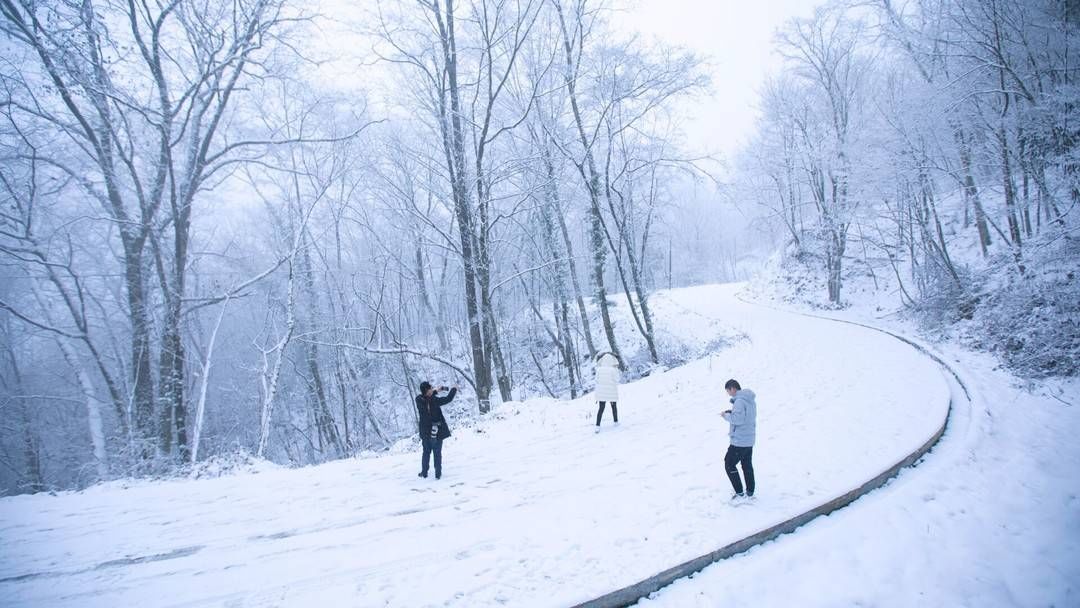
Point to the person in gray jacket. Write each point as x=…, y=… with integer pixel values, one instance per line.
x=743, y=420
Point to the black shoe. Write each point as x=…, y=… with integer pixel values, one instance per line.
x=438, y=474
x=422, y=474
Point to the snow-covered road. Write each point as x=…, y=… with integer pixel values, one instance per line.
x=991, y=519
x=534, y=508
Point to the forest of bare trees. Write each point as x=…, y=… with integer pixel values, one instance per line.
x=209, y=248
x=929, y=147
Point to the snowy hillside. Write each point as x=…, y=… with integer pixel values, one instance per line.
x=534, y=509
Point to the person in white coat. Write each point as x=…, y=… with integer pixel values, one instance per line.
x=607, y=385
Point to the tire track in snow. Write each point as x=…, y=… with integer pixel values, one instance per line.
x=113, y=563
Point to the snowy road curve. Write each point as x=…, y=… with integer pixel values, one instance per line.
x=536, y=510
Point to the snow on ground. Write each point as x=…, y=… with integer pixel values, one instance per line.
x=534, y=508
x=990, y=518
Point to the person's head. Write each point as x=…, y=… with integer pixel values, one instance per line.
x=732, y=387
x=426, y=389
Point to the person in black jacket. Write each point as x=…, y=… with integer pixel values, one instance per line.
x=433, y=427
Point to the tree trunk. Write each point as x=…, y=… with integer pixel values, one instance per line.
x=142, y=381
x=271, y=376
x=1009, y=188
x=491, y=330
x=599, y=252
x=1025, y=185
x=971, y=192
x=940, y=247
x=343, y=393
x=644, y=330
x=562, y=313
x=32, y=454
x=560, y=306
x=571, y=263
x=635, y=271
x=591, y=177
x=172, y=413
x=93, y=409
x=200, y=407
x=454, y=149
x=324, y=418
x=425, y=300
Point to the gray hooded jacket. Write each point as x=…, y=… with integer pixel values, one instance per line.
x=743, y=419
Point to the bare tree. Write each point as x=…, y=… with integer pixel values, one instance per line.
x=824, y=53
x=149, y=155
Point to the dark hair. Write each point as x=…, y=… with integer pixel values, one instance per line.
x=425, y=386
x=732, y=384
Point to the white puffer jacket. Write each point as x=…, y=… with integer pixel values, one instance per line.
x=607, y=378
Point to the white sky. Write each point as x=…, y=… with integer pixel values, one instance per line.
x=735, y=37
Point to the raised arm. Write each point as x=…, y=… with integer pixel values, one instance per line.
x=447, y=399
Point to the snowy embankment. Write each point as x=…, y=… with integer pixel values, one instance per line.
x=534, y=508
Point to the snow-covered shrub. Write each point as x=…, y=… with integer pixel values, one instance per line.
x=1033, y=324
x=230, y=463
x=944, y=299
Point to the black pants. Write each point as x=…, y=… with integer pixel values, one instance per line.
x=736, y=455
x=431, y=445
x=600, y=412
